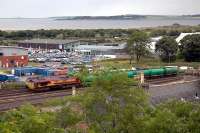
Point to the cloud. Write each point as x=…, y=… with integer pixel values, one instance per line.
x=47, y=8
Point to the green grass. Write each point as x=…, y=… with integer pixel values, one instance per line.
x=144, y=63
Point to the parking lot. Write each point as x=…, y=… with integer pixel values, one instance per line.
x=56, y=57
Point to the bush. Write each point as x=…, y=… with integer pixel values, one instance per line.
x=190, y=48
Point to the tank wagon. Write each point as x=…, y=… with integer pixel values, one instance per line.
x=47, y=83
x=153, y=73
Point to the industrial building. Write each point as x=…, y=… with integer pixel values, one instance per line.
x=102, y=49
x=182, y=35
x=13, y=56
x=154, y=40
x=48, y=44
x=87, y=48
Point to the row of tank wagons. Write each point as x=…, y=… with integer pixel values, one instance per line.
x=151, y=73
x=52, y=82
x=148, y=73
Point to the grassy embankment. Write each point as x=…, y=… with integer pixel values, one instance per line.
x=144, y=63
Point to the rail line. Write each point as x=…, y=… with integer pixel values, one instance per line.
x=10, y=99
x=164, y=80
x=14, y=101
x=11, y=93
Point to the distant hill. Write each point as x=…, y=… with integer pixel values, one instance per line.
x=119, y=17
x=193, y=16
x=127, y=17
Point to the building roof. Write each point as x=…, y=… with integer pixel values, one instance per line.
x=48, y=41
x=14, y=47
x=182, y=35
x=100, y=47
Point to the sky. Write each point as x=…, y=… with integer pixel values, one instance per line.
x=51, y=8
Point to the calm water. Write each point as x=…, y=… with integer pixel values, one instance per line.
x=33, y=24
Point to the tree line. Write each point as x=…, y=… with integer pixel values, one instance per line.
x=63, y=34
x=173, y=30
x=138, y=45
x=110, y=105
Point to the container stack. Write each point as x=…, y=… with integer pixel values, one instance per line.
x=40, y=71
x=8, y=77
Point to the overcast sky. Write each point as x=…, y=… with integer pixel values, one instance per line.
x=49, y=8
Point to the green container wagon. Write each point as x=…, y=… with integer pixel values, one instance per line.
x=132, y=74
x=157, y=72
x=171, y=70
x=147, y=73
x=87, y=81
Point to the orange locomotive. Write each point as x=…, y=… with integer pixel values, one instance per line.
x=47, y=83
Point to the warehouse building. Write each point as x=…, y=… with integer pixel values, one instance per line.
x=102, y=49
x=49, y=44
x=13, y=57
x=91, y=48
x=182, y=35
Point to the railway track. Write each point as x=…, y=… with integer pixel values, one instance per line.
x=14, y=99
x=10, y=92
x=164, y=80
x=10, y=99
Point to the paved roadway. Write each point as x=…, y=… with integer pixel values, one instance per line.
x=184, y=89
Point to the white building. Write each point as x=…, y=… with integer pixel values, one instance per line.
x=153, y=42
x=182, y=35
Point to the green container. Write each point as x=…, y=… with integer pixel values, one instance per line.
x=89, y=78
x=87, y=81
x=171, y=70
x=157, y=72
x=132, y=74
x=147, y=73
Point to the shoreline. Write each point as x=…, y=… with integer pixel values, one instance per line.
x=51, y=24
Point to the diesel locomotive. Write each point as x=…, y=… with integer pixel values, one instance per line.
x=51, y=82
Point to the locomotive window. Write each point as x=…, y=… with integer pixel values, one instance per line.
x=12, y=61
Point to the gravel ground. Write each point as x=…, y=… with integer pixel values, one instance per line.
x=180, y=90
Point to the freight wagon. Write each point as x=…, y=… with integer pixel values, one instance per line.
x=153, y=73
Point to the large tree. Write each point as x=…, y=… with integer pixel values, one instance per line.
x=167, y=49
x=137, y=45
x=190, y=47
x=113, y=106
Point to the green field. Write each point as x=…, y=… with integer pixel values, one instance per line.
x=144, y=63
